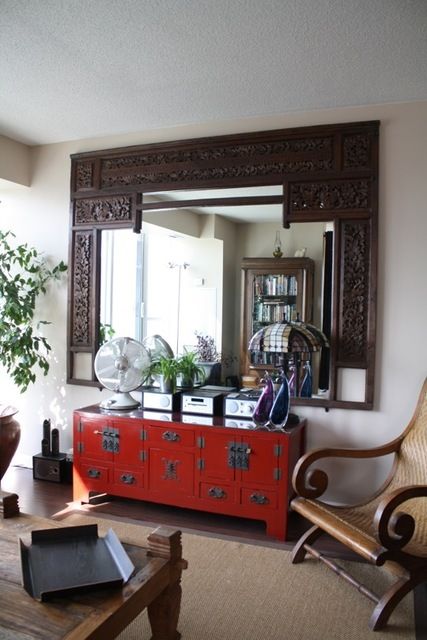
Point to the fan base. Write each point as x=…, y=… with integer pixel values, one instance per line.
x=120, y=402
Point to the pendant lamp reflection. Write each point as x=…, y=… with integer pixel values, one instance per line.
x=293, y=342
x=288, y=337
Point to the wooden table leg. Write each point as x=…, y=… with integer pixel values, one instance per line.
x=9, y=507
x=163, y=612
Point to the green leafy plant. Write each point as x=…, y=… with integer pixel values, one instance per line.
x=24, y=276
x=189, y=369
x=106, y=332
x=166, y=367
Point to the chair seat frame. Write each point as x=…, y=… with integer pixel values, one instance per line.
x=386, y=541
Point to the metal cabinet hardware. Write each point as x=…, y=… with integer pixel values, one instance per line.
x=110, y=439
x=259, y=498
x=127, y=478
x=171, y=436
x=217, y=492
x=93, y=473
x=238, y=455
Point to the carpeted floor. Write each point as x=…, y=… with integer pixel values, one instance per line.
x=237, y=590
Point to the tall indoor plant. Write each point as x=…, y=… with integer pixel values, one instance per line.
x=24, y=276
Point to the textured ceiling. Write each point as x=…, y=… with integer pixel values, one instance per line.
x=73, y=69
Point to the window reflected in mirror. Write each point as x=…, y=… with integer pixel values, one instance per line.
x=161, y=282
x=182, y=275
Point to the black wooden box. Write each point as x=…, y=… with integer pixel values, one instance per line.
x=54, y=468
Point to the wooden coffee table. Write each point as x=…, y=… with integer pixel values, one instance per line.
x=99, y=614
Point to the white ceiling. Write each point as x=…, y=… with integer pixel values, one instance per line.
x=72, y=69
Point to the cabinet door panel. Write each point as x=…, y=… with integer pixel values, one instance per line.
x=130, y=442
x=96, y=439
x=262, y=460
x=171, y=471
x=215, y=455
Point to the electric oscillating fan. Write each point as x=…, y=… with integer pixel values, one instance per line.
x=121, y=365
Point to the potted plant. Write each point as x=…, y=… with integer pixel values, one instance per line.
x=24, y=276
x=189, y=369
x=208, y=358
x=167, y=370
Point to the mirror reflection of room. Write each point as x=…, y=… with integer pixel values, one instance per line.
x=182, y=275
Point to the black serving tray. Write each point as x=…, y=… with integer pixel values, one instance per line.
x=66, y=560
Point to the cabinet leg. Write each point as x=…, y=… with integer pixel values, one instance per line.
x=276, y=529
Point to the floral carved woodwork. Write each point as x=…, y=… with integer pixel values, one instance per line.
x=348, y=194
x=353, y=323
x=328, y=173
x=357, y=151
x=82, y=293
x=84, y=175
x=95, y=210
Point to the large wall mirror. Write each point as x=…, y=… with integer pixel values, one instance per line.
x=158, y=235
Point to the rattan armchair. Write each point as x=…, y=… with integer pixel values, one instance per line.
x=390, y=529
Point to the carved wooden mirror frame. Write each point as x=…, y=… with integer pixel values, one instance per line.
x=328, y=172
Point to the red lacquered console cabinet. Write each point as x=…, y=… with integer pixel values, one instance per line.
x=236, y=471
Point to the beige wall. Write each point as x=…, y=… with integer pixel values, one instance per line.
x=14, y=162
x=40, y=217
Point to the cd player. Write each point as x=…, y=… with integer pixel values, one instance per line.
x=241, y=403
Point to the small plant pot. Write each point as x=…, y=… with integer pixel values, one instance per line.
x=167, y=385
x=185, y=382
x=212, y=372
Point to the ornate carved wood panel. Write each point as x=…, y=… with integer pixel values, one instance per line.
x=327, y=172
x=82, y=270
x=91, y=211
x=354, y=307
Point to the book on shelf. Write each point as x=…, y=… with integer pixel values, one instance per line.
x=272, y=285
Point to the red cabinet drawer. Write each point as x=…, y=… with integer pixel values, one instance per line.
x=171, y=435
x=217, y=492
x=129, y=478
x=95, y=474
x=263, y=498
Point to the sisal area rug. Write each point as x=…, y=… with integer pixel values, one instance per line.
x=237, y=590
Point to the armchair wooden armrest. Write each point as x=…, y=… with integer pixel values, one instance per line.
x=312, y=483
x=395, y=529
x=389, y=529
